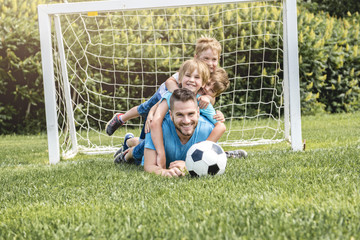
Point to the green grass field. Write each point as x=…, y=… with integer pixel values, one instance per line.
x=273, y=194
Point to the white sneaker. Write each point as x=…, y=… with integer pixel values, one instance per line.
x=236, y=154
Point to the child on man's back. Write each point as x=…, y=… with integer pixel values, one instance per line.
x=217, y=84
x=206, y=49
x=194, y=74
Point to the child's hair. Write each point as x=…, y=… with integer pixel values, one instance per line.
x=204, y=43
x=221, y=81
x=191, y=65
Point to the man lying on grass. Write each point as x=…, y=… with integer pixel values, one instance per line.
x=182, y=127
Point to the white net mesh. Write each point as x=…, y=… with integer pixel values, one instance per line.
x=117, y=60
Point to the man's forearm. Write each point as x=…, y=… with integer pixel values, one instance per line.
x=151, y=166
x=150, y=162
x=154, y=169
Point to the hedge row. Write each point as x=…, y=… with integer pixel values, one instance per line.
x=21, y=89
x=328, y=49
x=338, y=8
x=329, y=62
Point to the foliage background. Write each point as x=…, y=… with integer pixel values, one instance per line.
x=328, y=54
x=338, y=8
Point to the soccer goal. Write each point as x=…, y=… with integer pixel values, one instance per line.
x=100, y=58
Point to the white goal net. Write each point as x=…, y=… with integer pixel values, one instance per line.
x=108, y=61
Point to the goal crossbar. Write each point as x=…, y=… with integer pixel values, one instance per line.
x=115, y=5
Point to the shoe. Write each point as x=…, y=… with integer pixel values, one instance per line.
x=118, y=152
x=120, y=158
x=113, y=124
x=236, y=154
x=127, y=137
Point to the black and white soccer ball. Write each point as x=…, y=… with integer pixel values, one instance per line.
x=205, y=158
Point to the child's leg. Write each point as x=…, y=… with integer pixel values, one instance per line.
x=132, y=155
x=138, y=152
x=144, y=108
x=129, y=155
x=119, y=119
x=132, y=142
x=141, y=110
x=132, y=113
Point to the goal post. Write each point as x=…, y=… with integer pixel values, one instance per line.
x=100, y=58
x=291, y=78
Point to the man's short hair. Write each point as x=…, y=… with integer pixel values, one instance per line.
x=182, y=95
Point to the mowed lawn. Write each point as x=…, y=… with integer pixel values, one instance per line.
x=275, y=193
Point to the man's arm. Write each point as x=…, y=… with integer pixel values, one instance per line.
x=151, y=166
x=217, y=132
x=171, y=84
x=157, y=133
x=180, y=164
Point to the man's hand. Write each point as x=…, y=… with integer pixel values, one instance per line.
x=180, y=164
x=172, y=172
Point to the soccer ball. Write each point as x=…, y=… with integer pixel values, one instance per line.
x=205, y=158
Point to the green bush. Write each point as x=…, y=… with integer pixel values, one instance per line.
x=328, y=51
x=338, y=8
x=329, y=62
x=21, y=104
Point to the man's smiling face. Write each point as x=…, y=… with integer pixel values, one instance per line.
x=185, y=116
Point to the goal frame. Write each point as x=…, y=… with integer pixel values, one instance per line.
x=47, y=12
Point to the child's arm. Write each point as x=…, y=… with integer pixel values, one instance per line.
x=204, y=101
x=171, y=84
x=150, y=117
x=219, y=128
x=212, y=99
x=219, y=116
x=157, y=134
x=217, y=132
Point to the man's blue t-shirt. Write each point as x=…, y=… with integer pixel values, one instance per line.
x=174, y=149
x=208, y=112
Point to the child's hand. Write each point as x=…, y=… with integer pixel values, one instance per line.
x=203, y=101
x=219, y=116
x=148, y=123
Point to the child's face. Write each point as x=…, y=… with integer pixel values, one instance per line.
x=192, y=81
x=210, y=58
x=208, y=89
